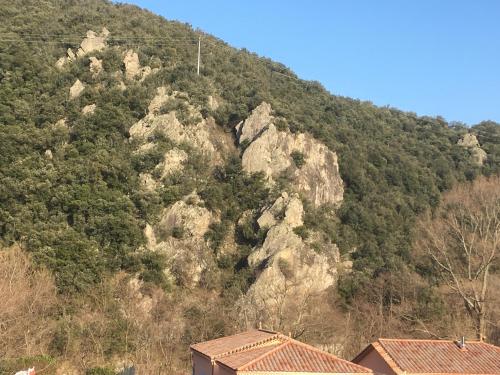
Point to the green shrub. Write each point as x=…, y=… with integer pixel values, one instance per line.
x=298, y=158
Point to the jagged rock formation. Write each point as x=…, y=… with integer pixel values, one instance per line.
x=133, y=67
x=200, y=133
x=95, y=66
x=179, y=234
x=92, y=42
x=471, y=142
x=259, y=118
x=272, y=151
x=76, y=90
x=291, y=269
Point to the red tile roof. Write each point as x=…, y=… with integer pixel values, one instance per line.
x=273, y=353
x=239, y=359
x=294, y=356
x=437, y=356
x=230, y=344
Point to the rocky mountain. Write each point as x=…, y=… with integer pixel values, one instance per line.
x=170, y=207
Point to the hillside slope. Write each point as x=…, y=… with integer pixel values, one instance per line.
x=120, y=165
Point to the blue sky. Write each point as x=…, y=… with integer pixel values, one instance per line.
x=432, y=57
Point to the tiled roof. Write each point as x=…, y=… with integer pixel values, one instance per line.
x=231, y=344
x=294, y=356
x=273, y=353
x=438, y=356
x=239, y=359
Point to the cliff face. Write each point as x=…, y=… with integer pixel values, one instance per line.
x=291, y=271
x=284, y=257
x=274, y=152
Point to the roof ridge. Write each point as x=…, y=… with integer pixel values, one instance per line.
x=431, y=340
x=245, y=347
x=262, y=356
x=310, y=347
x=239, y=348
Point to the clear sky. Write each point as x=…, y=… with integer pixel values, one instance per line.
x=432, y=57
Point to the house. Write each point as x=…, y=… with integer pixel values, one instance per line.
x=259, y=352
x=400, y=356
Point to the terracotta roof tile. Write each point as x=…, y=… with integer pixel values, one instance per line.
x=440, y=356
x=264, y=351
x=240, y=359
x=294, y=356
x=231, y=344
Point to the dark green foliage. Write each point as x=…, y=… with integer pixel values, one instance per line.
x=298, y=158
x=232, y=191
x=302, y=232
x=153, y=265
x=82, y=211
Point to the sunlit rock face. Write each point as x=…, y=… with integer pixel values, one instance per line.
x=272, y=151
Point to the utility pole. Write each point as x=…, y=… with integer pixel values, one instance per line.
x=199, y=50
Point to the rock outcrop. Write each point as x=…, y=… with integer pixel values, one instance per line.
x=133, y=69
x=201, y=133
x=259, y=118
x=291, y=269
x=88, y=109
x=471, y=142
x=91, y=43
x=173, y=161
x=95, y=66
x=179, y=235
x=76, y=90
x=272, y=151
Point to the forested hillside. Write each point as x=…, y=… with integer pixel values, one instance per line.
x=75, y=207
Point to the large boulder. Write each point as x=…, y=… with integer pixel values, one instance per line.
x=273, y=152
x=76, y=90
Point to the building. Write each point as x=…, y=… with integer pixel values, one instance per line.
x=399, y=356
x=261, y=352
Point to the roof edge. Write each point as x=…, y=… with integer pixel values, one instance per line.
x=279, y=346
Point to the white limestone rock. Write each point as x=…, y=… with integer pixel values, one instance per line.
x=259, y=118
x=173, y=161
x=93, y=42
x=291, y=270
x=88, y=109
x=271, y=152
x=76, y=90
x=133, y=69
x=147, y=182
x=95, y=66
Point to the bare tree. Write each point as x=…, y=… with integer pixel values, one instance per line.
x=462, y=239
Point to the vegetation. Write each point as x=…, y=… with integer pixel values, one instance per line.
x=79, y=214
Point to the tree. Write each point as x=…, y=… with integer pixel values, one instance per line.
x=462, y=240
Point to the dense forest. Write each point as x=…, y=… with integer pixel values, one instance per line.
x=72, y=213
